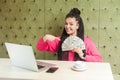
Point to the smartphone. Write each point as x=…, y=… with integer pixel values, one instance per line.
x=52, y=69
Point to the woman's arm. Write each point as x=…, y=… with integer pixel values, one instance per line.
x=48, y=43
x=49, y=37
x=92, y=54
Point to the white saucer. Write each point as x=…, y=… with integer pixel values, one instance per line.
x=79, y=69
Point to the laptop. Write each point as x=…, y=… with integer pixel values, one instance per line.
x=23, y=56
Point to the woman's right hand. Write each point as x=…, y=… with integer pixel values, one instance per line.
x=49, y=37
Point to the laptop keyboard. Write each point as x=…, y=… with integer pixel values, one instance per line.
x=40, y=66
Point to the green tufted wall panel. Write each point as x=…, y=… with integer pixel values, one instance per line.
x=21, y=21
x=25, y=21
x=109, y=33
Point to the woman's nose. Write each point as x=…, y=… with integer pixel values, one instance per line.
x=67, y=26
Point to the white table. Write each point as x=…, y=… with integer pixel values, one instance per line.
x=96, y=71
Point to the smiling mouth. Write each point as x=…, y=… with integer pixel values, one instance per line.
x=68, y=30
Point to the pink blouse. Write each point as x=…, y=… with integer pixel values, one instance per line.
x=92, y=54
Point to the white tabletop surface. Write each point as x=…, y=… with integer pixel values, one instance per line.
x=95, y=71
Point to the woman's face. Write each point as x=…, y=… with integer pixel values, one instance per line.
x=71, y=26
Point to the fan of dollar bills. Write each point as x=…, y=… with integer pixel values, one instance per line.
x=72, y=42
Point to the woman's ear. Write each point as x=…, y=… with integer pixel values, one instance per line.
x=77, y=26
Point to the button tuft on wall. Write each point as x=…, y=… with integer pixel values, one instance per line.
x=34, y=1
x=76, y=0
x=0, y=10
x=24, y=18
x=93, y=28
x=114, y=65
x=30, y=44
x=19, y=10
x=104, y=46
x=29, y=27
x=2, y=44
x=93, y=9
x=117, y=9
x=50, y=9
x=34, y=36
x=35, y=53
x=82, y=9
x=55, y=19
x=40, y=10
x=10, y=27
x=34, y=19
x=15, y=19
x=50, y=28
x=1, y=27
x=14, y=1
x=60, y=9
x=111, y=19
x=115, y=46
x=10, y=10
x=66, y=0
x=6, y=52
x=15, y=36
x=61, y=27
x=5, y=1
x=39, y=27
x=55, y=0
x=105, y=28
x=6, y=35
x=24, y=1
x=116, y=28
x=118, y=73
x=29, y=10
x=5, y=18
x=25, y=36
x=109, y=55
x=87, y=19
x=105, y=8
x=20, y=27
x=110, y=37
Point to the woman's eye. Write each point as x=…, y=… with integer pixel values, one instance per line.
x=71, y=24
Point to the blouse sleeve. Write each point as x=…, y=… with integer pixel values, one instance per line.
x=92, y=54
x=50, y=46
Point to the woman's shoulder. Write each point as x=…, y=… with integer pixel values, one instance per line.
x=87, y=38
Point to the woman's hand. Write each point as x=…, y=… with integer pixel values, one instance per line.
x=49, y=37
x=79, y=51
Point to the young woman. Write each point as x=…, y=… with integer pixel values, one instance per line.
x=73, y=26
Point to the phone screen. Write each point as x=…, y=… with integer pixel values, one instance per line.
x=52, y=69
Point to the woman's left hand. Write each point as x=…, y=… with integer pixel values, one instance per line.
x=79, y=51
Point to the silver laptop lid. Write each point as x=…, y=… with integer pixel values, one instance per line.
x=22, y=56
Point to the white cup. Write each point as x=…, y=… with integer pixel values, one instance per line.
x=79, y=64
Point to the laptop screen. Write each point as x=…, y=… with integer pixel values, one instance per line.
x=22, y=56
